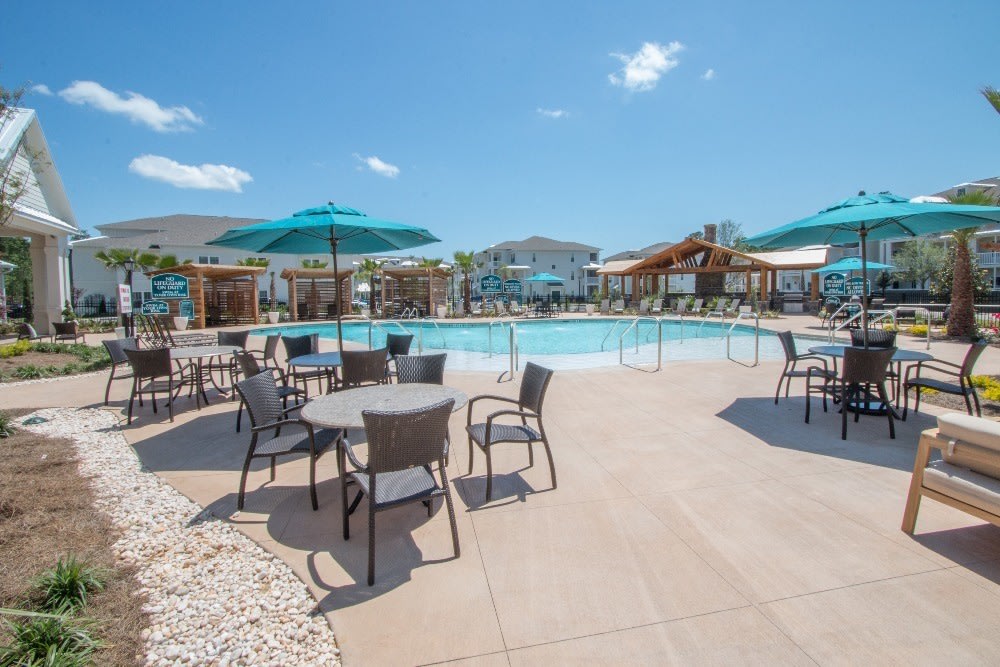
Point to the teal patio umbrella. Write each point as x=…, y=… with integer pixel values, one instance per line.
x=545, y=278
x=852, y=264
x=875, y=217
x=331, y=228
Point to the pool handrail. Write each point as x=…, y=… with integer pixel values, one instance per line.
x=635, y=325
x=708, y=316
x=513, y=355
x=915, y=309
x=381, y=325
x=613, y=329
x=420, y=332
x=745, y=314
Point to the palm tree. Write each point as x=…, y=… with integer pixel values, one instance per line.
x=367, y=270
x=962, y=316
x=466, y=262
x=114, y=259
x=259, y=262
x=992, y=96
x=432, y=263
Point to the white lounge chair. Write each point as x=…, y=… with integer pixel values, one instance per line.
x=619, y=308
x=720, y=306
x=734, y=306
x=696, y=307
x=643, y=307
x=657, y=306
x=605, y=306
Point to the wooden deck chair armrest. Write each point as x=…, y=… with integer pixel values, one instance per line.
x=492, y=397
x=923, y=457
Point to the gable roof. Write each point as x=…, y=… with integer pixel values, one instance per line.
x=180, y=229
x=44, y=202
x=542, y=244
x=642, y=253
x=696, y=255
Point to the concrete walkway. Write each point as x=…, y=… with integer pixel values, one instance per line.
x=694, y=522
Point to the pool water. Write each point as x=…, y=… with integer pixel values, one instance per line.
x=542, y=337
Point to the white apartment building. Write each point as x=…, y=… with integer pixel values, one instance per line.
x=575, y=263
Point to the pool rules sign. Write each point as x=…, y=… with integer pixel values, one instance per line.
x=169, y=286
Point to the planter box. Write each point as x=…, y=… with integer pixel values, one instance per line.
x=273, y=317
x=180, y=323
x=590, y=309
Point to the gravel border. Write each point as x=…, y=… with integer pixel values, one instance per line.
x=215, y=596
x=55, y=378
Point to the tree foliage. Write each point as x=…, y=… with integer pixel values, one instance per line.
x=466, y=263
x=920, y=260
x=962, y=316
x=13, y=181
x=992, y=96
x=17, y=251
x=114, y=259
x=368, y=270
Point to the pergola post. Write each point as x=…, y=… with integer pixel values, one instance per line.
x=199, y=279
x=605, y=288
x=635, y=287
x=293, y=297
x=814, y=286
x=763, y=286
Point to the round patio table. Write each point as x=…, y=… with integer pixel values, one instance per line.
x=343, y=409
x=199, y=353
x=899, y=358
x=325, y=360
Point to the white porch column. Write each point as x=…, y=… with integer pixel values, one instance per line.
x=49, y=277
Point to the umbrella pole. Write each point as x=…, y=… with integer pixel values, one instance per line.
x=864, y=286
x=336, y=286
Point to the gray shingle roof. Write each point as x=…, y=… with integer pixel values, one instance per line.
x=541, y=244
x=175, y=230
x=642, y=253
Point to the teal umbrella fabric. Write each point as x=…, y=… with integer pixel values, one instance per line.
x=875, y=217
x=852, y=264
x=330, y=228
x=545, y=278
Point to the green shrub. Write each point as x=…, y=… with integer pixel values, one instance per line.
x=14, y=349
x=6, y=425
x=67, y=585
x=918, y=330
x=28, y=372
x=47, y=641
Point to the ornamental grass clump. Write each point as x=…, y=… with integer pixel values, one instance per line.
x=47, y=640
x=6, y=425
x=67, y=586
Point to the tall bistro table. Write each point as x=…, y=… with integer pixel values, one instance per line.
x=899, y=358
x=197, y=354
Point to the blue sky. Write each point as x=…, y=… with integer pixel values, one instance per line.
x=615, y=124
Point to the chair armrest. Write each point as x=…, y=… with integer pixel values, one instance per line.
x=352, y=457
x=954, y=371
x=281, y=423
x=492, y=397
x=504, y=413
x=297, y=406
x=815, y=357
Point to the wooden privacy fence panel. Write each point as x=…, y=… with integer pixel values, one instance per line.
x=316, y=298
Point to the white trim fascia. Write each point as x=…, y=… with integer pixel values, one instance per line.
x=46, y=219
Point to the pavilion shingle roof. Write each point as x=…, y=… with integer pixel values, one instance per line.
x=542, y=244
x=174, y=230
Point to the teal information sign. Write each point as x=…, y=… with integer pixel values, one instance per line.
x=155, y=308
x=169, y=286
x=512, y=286
x=490, y=284
x=833, y=283
x=186, y=308
x=856, y=285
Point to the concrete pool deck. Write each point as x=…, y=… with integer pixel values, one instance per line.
x=695, y=521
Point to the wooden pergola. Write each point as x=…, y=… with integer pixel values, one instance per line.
x=618, y=269
x=694, y=256
x=413, y=287
x=221, y=294
x=314, y=289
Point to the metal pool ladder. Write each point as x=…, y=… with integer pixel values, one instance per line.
x=635, y=325
x=745, y=315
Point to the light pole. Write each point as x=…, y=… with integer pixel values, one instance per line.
x=128, y=319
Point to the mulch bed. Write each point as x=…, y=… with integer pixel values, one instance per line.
x=47, y=512
x=9, y=364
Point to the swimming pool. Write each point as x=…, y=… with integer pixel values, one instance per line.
x=559, y=343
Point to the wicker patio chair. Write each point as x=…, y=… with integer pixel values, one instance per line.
x=362, y=367
x=398, y=344
x=402, y=447
x=948, y=385
x=153, y=373
x=299, y=346
x=876, y=338
x=120, y=367
x=425, y=368
x=249, y=368
x=228, y=366
x=269, y=356
x=792, y=357
x=27, y=332
x=534, y=384
x=260, y=394
x=862, y=369
x=68, y=331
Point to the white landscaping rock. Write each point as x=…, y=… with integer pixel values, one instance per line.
x=215, y=597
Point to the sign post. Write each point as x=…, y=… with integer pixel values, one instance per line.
x=859, y=287
x=834, y=284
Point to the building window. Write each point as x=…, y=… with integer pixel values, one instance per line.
x=208, y=259
x=572, y=259
x=553, y=267
x=513, y=258
x=572, y=275
x=533, y=260
x=593, y=257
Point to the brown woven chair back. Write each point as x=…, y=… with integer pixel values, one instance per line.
x=360, y=367
x=971, y=357
x=248, y=364
x=534, y=384
x=260, y=395
x=116, y=349
x=398, y=343
x=869, y=366
x=271, y=348
x=427, y=368
x=152, y=363
x=406, y=439
x=235, y=338
x=298, y=346
x=25, y=330
x=65, y=328
x=876, y=338
x=788, y=345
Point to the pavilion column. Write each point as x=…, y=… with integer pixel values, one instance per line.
x=293, y=297
x=49, y=273
x=635, y=287
x=763, y=287
x=814, y=286
x=749, y=288
x=256, y=301
x=604, y=284
x=199, y=281
x=385, y=286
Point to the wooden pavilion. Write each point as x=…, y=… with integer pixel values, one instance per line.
x=413, y=287
x=221, y=294
x=695, y=256
x=312, y=293
x=618, y=269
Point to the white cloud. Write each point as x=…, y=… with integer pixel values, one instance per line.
x=378, y=166
x=644, y=68
x=41, y=89
x=552, y=113
x=709, y=74
x=198, y=177
x=138, y=108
